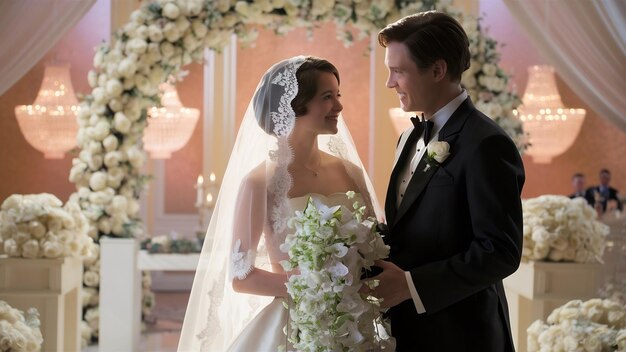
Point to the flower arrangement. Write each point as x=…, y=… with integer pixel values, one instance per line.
x=170, y=244
x=39, y=226
x=162, y=36
x=594, y=325
x=19, y=332
x=328, y=313
x=557, y=228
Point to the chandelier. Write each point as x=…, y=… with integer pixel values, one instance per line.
x=49, y=125
x=169, y=126
x=552, y=127
x=401, y=119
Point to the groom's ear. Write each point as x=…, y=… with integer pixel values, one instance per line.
x=439, y=70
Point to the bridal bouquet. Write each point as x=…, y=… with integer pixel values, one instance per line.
x=19, y=332
x=594, y=325
x=330, y=247
x=39, y=226
x=557, y=228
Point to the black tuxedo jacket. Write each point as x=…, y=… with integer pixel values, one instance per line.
x=458, y=231
x=591, y=199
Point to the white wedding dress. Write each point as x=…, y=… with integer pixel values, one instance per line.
x=265, y=333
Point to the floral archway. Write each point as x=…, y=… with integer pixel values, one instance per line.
x=165, y=35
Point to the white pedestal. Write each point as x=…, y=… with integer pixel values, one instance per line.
x=120, y=295
x=537, y=288
x=52, y=286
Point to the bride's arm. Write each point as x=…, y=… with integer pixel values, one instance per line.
x=248, y=226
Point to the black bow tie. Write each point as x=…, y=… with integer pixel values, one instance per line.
x=427, y=125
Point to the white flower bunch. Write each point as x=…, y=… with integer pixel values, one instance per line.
x=557, y=228
x=592, y=326
x=331, y=245
x=36, y=226
x=19, y=332
x=488, y=84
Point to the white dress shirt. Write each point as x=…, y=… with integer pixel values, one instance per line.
x=439, y=119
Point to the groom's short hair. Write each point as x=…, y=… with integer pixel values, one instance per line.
x=431, y=36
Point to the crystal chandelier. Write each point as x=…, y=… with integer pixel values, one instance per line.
x=169, y=126
x=50, y=125
x=552, y=127
x=401, y=119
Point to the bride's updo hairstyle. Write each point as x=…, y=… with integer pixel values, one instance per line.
x=267, y=98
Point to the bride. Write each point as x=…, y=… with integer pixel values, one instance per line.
x=292, y=145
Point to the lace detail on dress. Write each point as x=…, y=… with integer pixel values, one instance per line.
x=279, y=186
x=285, y=117
x=242, y=263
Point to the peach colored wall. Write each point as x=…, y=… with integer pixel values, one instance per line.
x=183, y=168
x=352, y=63
x=24, y=169
x=599, y=144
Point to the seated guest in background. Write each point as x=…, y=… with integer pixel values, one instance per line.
x=578, y=184
x=601, y=194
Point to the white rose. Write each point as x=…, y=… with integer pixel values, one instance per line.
x=77, y=172
x=190, y=7
x=11, y=248
x=143, y=84
x=91, y=278
x=36, y=229
x=439, y=150
x=167, y=49
x=119, y=205
x=133, y=207
x=199, y=29
x=99, y=95
x=121, y=123
x=104, y=225
x=112, y=159
x=489, y=69
x=94, y=147
x=116, y=104
x=52, y=249
x=110, y=143
x=92, y=78
x=171, y=32
x=128, y=66
x=98, y=181
x=190, y=42
x=98, y=59
x=95, y=162
x=101, y=130
x=154, y=33
x=182, y=24
x=114, y=88
x=137, y=46
x=171, y=11
x=30, y=249
x=156, y=76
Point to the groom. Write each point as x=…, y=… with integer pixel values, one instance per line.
x=454, y=217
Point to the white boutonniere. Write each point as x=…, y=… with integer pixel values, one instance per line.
x=436, y=154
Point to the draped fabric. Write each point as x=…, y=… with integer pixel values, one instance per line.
x=585, y=41
x=29, y=29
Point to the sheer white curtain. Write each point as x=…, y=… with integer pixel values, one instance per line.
x=29, y=29
x=585, y=41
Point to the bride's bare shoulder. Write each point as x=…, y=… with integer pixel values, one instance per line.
x=256, y=178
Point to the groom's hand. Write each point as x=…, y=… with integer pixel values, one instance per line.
x=392, y=286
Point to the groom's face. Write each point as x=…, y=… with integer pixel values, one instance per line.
x=411, y=84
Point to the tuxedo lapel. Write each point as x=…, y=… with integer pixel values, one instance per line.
x=422, y=176
x=416, y=186
x=390, y=200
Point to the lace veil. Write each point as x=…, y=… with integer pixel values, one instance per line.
x=252, y=209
